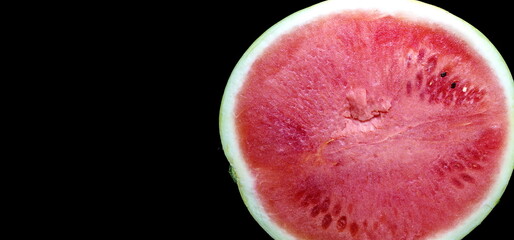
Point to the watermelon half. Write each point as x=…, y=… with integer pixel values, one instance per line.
x=370, y=119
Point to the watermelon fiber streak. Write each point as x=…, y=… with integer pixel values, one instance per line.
x=370, y=120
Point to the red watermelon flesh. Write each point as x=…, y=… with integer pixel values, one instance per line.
x=364, y=126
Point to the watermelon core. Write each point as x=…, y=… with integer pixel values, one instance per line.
x=369, y=126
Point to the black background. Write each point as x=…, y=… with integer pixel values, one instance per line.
x=226, y=30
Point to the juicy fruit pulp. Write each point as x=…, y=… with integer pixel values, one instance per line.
x=345, y=139
x=362, y=125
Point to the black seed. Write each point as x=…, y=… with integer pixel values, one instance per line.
x=454, y=84
x=443, y=74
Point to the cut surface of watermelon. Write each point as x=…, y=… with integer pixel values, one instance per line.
x=370, y=120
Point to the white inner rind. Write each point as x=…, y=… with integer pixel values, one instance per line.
x=411, y=9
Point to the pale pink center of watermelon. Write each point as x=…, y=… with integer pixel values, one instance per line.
x=371, y=127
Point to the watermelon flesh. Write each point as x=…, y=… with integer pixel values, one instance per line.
x=369, y=126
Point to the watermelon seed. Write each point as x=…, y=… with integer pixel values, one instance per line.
x=457, y=183
x=353, y=229
x=475, y=166
x=341, y=223
x=467, y=178
x=327, y=220
x=454, y=84
x=443, y=74
x=457, y=166
x=337, y=209
x=315, y=210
